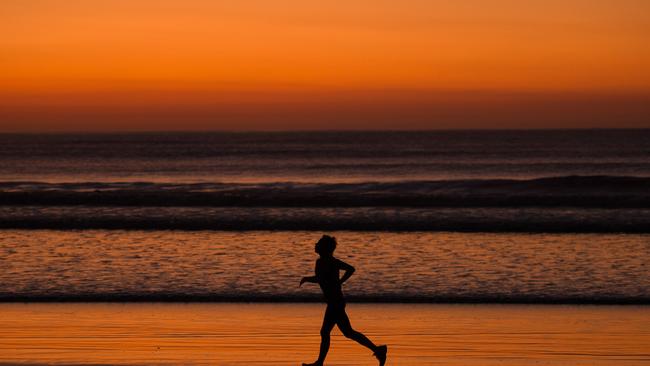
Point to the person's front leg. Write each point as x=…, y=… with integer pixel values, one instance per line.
x=329, y=320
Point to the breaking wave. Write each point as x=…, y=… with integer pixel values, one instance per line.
x=566, y=191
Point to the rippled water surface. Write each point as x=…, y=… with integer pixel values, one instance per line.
x=98, y=264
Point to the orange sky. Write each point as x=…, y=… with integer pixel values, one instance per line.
x=359, y=64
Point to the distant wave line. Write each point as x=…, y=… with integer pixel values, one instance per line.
x=282, y=298
x=460, y=219
x=563, y=191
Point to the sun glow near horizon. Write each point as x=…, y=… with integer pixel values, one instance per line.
x=312, y=65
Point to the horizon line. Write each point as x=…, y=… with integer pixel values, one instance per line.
x=279, y=131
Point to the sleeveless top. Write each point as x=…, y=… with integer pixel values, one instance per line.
x=327, y=272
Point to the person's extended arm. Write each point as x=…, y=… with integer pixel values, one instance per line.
x=349, y=270
x=311, y=279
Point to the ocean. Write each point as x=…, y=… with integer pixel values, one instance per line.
x=322, y=157
x=427, y=216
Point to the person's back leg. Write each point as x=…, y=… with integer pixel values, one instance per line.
x=347, y=330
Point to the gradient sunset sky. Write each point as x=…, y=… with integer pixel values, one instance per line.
x=104, y=65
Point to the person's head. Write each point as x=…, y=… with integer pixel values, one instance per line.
x=326, y=245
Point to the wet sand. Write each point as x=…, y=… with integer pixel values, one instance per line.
x=287, y=334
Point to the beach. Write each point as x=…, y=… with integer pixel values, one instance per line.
x=470, y=247
x=287, y=334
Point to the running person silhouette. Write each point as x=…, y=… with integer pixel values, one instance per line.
x=327, y=276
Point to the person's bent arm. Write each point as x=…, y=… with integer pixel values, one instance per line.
x=349, y=270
